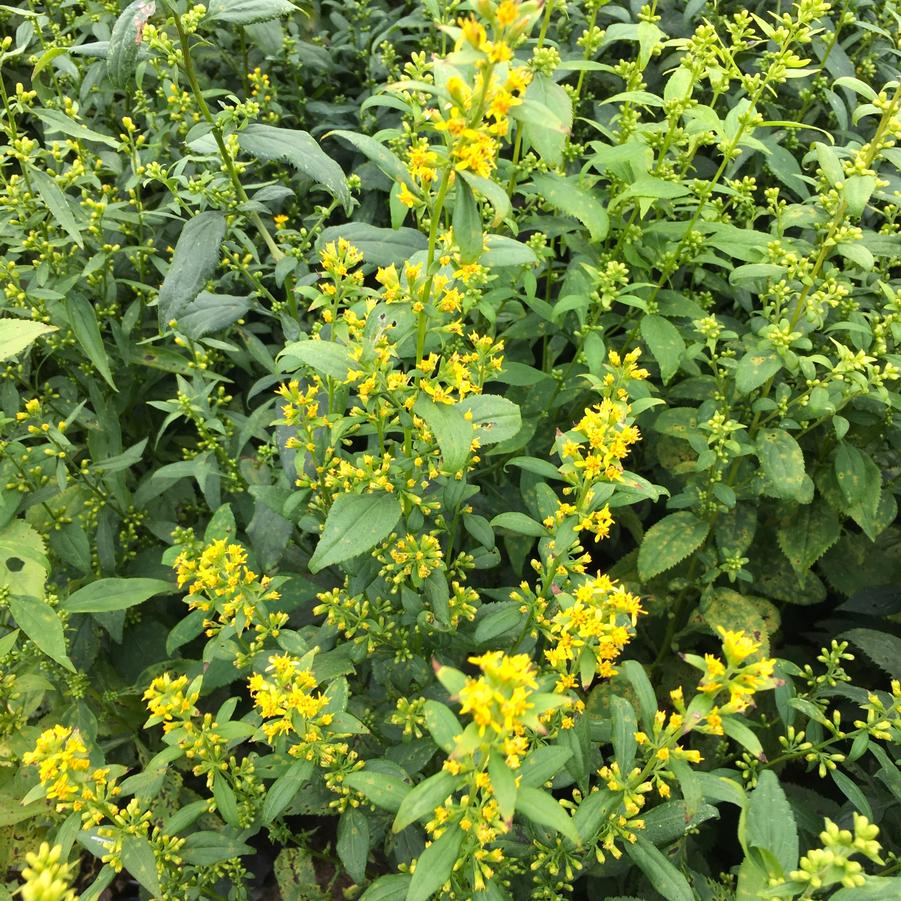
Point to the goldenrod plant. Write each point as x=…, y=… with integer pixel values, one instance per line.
x=450, y=450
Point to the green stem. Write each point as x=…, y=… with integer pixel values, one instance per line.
x=438, y=208
x=227, y=160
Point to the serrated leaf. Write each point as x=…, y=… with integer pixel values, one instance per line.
x=126, y=42
x=669, y=541
x=387, y=161
x=571, y=198
x=302, y=151
x=355, y=523
x=807, y=533
x=327, y=357
x=17, y=334
x=883, y=648
x=248, y=12
x=467, y=224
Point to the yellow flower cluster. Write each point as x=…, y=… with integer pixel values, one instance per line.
x=590, y=629
x=47, y=876
x=598, y=443
x=64, y=769
x=289, y=704
x=169, y=703
x=62, y=761
x=739, y=675
x=220, y=581
x=412, y=558
x=478, y=86
x=499, y=701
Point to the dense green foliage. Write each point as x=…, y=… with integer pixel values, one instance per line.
x=469, y=431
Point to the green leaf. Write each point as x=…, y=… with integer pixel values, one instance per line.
x=568, y=196
x=669, y=542
x=195, y=259
x=857, y=190
x=283, y=791
x=883, y=648
x=494, y=417
x=379, y=246
x=543, y=764
x=17, y=334
x=520, y=524
x=379, y=154
x=382, y=789
x=126, y=41
x=302, y=151
x=355, y=523
x=755, y=368
x=851, y=791
x=327, y=357
x=782, y=461
x=105, y=595
x=207, y=848
x=807, y=533
x=248, y=12
x=547, y=116
x=503, y=785
x=139, y=861
x=353, y=843
x=388, y=888
x=443, y=725
x=467, y=224
x=544, y=810
x=493, y=193
x=435, y=864
x=665, y=878
x=423, y=799
x=451, y=430
x=876, y=888
x=57, y=203
x=625, y=725
x=858, y=478
x=770, y=822
x=41, y=623
x=54, y=120
x=664, y=342
x=83, y=320
x=209, y=313
x=739, y=732
x=672, y=819
x=644, y=691
x=226, y=802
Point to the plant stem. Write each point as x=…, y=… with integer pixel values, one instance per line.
x=228, y=162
